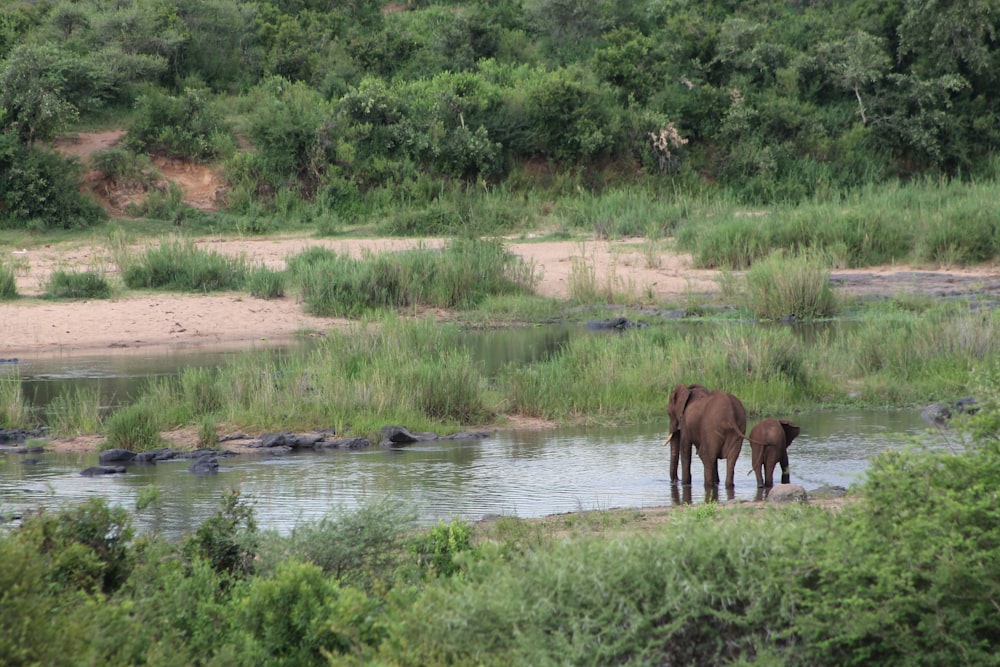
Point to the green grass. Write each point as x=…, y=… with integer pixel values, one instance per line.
x=8, y=284
x=135, y=427
x=179, y=265
x=459, y=276
x=77, y=413
x=783, y=285
x=14, y=408
x=77, y=285
x=925, y=221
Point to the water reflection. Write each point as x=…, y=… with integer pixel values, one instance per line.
x=518, y=473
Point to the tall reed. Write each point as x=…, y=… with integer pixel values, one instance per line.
x=180, y=265
x=785, y=284
x=77, y=285
x=459, y=276
x=14, y=409
x=78, y=412
x=8, y=284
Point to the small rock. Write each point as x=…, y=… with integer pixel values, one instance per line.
x=97, y=471
x=114, y=455
x=787, y=493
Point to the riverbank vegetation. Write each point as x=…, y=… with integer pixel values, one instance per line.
x=905, y=573
x=865, y=131
x=422, y=373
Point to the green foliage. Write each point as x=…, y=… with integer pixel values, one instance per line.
x=459, y=276
x=41, y=191
x=14, y=409
x=77, y=285
x=84, y=547
x=265, y=283
x=358, y=548
x=184, y=126
x=180, y=265
x=782, y=285
x=135, y=427
x=436, y=549
x=34, y=97
x=299, y=615
x=74, y=414
x=228, y=539
x=8, y=283
x=126, y=168
x=201, y=390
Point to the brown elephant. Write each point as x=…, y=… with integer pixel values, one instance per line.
x=769, y=441
x=714, y=422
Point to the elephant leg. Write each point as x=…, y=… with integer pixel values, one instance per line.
x=685, y=461
x=711, y=469
x=731, y=472
x=758, y=465
x=675, y=452
x=785, y=477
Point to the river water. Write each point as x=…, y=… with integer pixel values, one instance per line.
x=517, y=473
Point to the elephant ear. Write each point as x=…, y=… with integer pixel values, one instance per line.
x=791, y=431
x=678, y=400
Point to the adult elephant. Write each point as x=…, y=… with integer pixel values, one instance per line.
x=714, y=422
x=769, y=441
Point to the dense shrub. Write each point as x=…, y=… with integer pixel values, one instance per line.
x=183, y=126
x=180, y=265
x=41, y=190
x=135, y=427
x=77, y=285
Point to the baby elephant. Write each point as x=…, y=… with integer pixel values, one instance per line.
x=769, y=441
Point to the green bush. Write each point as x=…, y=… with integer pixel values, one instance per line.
x=42, y=190
x=76, y=413
x=459, y=276
x=126, y=168
x=86, y=547
x=14, y=409
x=77, y=285
x=785, y=285
x=359, y=548
x=265, y=283
x=228, y=540
x=299, y=615
x=436, y=549
x=135, y=427
x=180, y=265
x=8, y=284
x=183, y=126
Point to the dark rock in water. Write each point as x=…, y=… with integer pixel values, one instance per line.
x=787, y=493
x=614, y=324
x=276, y=440
x=205, y=465
x=15, y=435
x=115, y=455
x=939, y=414
x=343, y=443
x=29, y=462
x=305, y=441
x=97, y=471
x=467, y=435
x=154, y=455
x=399, y=435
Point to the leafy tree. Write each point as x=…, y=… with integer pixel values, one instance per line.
x=41, y=190
x=629, y=63
x=184, y=125
x=948, y=36
x=856, y=63
x=33, y=92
